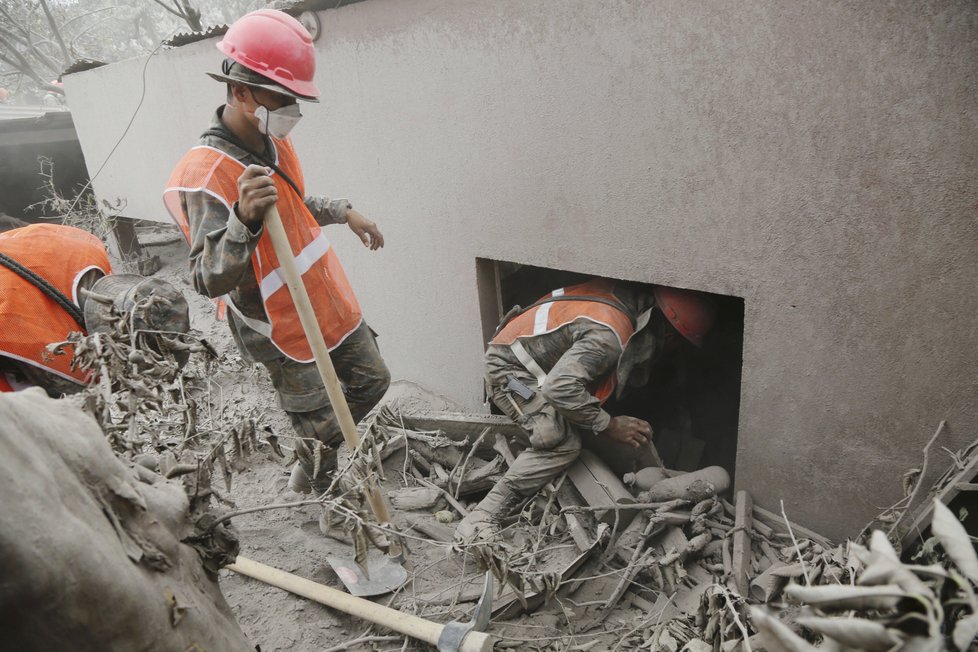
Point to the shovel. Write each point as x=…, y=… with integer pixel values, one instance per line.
x=389, y=574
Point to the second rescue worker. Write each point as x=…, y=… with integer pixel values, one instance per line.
x=219, y=193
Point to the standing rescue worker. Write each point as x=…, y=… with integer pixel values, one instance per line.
x=219, y=193
x=49, y=275
x=551, y=368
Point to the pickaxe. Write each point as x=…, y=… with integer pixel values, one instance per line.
x=453, y=637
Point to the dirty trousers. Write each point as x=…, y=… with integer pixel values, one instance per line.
x=361, y=371
x=553, y=444
x=541, y=426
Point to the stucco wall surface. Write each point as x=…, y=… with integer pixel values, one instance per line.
x=816, y=159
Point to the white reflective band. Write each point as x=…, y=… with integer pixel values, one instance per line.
x=78, y=276
x=15, y=384
x=33, y=363
x=260, y=327
x=527, y=361
x=543, y=314
x=312, y=252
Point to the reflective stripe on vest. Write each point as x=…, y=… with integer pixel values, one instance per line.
x=550, y=316
x=209, y=170
x=29, y=319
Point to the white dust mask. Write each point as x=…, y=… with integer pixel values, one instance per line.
x=278, y=123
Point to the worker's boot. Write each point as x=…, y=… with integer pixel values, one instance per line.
x=481, y=525
x=299, y=481
x=302, y=479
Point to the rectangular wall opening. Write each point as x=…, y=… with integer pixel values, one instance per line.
x=692, y=394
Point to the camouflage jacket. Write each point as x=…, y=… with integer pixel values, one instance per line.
x=575, y=356
x=221, y=248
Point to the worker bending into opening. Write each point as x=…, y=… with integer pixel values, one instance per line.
x=56, y=280
x=219, y=194
x=551, y=367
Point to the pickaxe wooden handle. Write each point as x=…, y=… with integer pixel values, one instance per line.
x=307, y=317
x=472, y=640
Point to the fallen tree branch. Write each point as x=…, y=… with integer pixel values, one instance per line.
x=801, y=559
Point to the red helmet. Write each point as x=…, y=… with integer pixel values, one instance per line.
x=276, y=46
x=692, y=313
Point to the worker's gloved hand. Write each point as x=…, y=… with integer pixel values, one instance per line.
x=628, y=431
x=256, y=194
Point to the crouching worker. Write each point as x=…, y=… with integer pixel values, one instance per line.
x=56, y=280
x=219, y=195
x=551, y=368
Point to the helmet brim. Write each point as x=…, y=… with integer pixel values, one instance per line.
x=275, y=88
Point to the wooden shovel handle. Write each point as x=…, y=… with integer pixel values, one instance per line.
x=310, y=325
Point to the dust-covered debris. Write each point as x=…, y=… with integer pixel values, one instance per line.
x=95, y=556
x=629, y=568
x=889, y=604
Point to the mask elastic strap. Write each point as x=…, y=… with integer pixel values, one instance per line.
x=643, y=319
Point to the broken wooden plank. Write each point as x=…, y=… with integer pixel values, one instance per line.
x=431, y=528
x=433, y=446
x=508, y=604
x=481, y=477
x=459, y=426
x=453, y=594
x=580, y=527
x=459, y=507
x=501, y=446
x=741, y=543
x=631, y=538
x=664, y=606
x=921, y=517
x=776, y=522
x=414, y=498
x=598, y=485
x=577, y=532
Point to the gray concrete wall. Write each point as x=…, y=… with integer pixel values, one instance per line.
x=816, y=159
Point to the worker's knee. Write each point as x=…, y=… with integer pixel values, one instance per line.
x=318, y=424
x=549, y=432
x=376, y=387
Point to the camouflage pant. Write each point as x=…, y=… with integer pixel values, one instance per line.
x=360, y=369
x=552, y=443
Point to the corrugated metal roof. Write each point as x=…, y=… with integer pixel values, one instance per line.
x=291, y=7
x=295, y=7
x=185, y=38
x=83, y=64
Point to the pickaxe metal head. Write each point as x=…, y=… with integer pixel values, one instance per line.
x=454, y=632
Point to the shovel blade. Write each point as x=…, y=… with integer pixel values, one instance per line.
x=386, y=575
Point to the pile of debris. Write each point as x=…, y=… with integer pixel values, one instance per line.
x=890, y=605
x=655, y=560
x=662, y=554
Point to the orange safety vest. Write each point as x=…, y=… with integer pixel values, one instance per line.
x=30, y=319
x=551, y=315
x=209, y=170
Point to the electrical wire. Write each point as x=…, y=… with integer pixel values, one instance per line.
x=142, y=97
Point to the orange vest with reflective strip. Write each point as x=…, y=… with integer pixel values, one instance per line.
x=30, y=319
x=549, y=316
x=205, y=169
